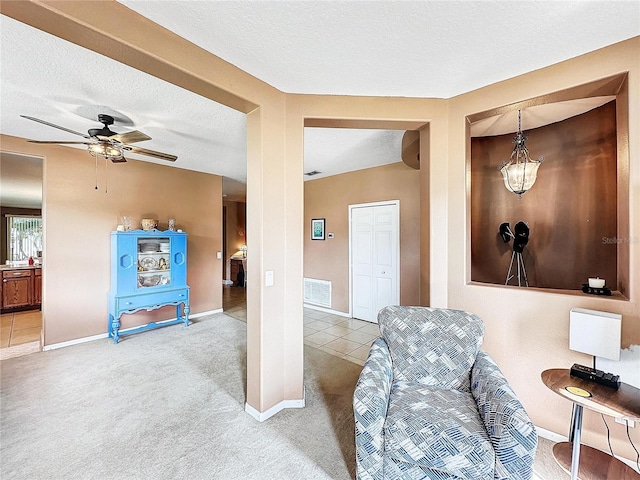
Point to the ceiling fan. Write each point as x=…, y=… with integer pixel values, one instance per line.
x=102, y=142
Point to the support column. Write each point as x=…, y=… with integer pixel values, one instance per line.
x=274, y=225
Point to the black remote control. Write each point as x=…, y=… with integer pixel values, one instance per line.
x=596, y=376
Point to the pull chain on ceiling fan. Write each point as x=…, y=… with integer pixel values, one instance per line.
x=106, y=164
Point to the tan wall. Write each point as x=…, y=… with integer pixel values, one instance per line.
x=330, y=198
x=78, y=220
x=527, y=329
x=238, y=236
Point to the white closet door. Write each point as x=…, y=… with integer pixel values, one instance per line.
x=375, y=257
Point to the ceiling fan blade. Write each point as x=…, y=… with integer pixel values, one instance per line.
x=59, y=143
x=54, y=126
x=151, y=153
x=130, y=137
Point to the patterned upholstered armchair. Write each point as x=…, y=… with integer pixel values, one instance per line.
x=429, y=404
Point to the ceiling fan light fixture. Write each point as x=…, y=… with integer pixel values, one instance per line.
x=520, y=172
x=105, y=150
x=104, y=143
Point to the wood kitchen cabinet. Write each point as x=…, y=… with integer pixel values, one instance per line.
x=37, y=286
x=21, y=288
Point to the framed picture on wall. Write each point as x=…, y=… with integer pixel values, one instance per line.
x=317, y=229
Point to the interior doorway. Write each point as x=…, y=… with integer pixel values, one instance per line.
x=374, y=251
x=235, y=249
x=22, y=260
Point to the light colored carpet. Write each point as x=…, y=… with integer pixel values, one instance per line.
x=169, y=404
x=545, y=466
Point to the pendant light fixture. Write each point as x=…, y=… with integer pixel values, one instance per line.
x=520, y=172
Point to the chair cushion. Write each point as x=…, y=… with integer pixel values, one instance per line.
x=437, y=431
x=432, y=346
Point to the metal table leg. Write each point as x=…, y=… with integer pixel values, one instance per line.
x=574, y=438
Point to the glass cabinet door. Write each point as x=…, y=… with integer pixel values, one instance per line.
x=154, y=262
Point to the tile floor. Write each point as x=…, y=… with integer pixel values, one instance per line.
x=20, y=327
x=343, y=337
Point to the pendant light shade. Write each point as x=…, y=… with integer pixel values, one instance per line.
x=520, y=172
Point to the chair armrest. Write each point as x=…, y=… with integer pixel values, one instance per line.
x=512, y=433
x=370, y=402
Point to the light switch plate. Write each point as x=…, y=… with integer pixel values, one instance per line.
x=219, y=255
x=268, y=278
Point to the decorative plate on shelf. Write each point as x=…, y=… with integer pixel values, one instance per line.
x=148, y=263
x=150, y=281
x=148, y=247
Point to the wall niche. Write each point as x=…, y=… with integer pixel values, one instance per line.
x=577, y=211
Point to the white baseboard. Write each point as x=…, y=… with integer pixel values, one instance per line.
x=204, y=314
x=326, y=310
x=552, y=436
x=262, y=416
x=556, y=437
x=77, y=341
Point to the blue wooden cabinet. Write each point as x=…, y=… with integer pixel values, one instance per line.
x=148, y=271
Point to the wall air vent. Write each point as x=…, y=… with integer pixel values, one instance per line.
x=317, y=292
x=312, y=173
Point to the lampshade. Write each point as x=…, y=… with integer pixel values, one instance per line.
x=520, y=177
x=596, y=333
x=520, y=172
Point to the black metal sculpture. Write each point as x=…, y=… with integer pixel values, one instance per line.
x=520, y=239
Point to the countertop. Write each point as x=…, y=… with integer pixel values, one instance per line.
x=19, y=267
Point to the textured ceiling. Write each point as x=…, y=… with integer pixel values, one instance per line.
x=328, y=150
x=381, y=48
x=51, y=79
x=394, y=47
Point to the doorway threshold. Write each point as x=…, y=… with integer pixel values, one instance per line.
x=20, y=350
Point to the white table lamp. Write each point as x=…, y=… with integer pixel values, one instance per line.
x=595, y=333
